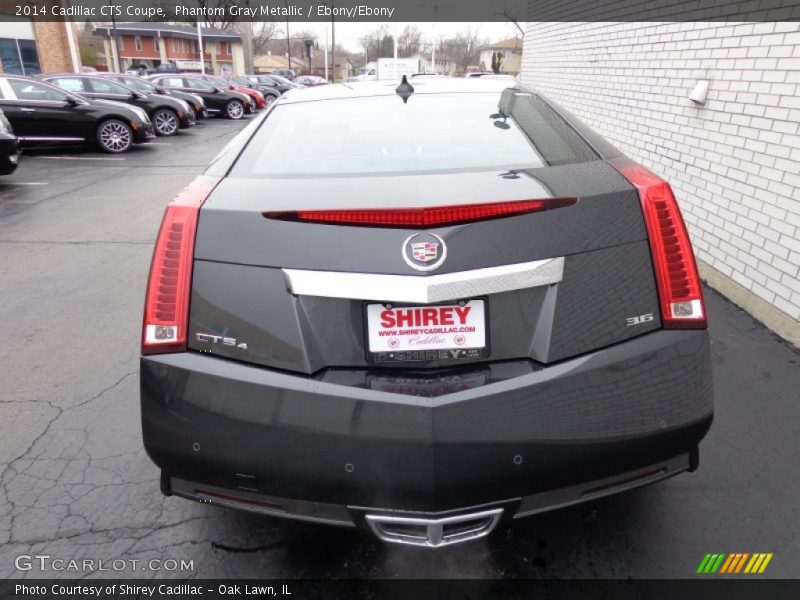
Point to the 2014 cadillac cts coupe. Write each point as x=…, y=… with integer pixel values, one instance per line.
x=422, y=310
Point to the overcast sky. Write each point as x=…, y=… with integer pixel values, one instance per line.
x=348, y=34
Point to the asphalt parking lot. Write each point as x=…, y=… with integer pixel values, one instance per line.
x=76, y=232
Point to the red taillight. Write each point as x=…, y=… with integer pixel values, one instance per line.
x=166, y=308
x=679, y=290
x=422, y=217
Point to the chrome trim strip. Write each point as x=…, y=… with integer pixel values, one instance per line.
x=424, y=290
x=298, y=510
x=432, y=531
x=51, y=139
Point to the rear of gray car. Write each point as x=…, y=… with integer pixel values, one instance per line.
x=423, y=313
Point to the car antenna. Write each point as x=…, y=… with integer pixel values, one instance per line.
x=404, y=90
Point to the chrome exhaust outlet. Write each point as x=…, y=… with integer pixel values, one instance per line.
x=433, y=533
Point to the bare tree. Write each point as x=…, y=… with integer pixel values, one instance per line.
x=263, y=34
x=378, y=43
x=410, y=41
x=298, y=42
x=464, y=48
x=512, y=18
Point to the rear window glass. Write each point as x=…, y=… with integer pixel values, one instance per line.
x=429, y=133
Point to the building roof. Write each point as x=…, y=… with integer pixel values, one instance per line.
x=509, y=44
x=149, y=29
x=318, y=60
x=276, y=61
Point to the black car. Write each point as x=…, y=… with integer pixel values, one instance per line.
x=44, y=115
x=218, y=100
x=167, y=67
x=275, y=82
x=285, y=73
x=255, y=98
x=284, y=84
x=269, y=90
x=422, y=311
x=197, y=105
x=9, y=147
x=167, y=114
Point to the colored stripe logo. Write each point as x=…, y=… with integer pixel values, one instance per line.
x=735, y=563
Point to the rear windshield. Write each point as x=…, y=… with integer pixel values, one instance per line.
x=429, y=133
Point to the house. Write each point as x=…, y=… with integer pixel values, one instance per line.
x=151, y=44
x=343, y=66
x=268, y=63
x=29, y=47
x=508, y=52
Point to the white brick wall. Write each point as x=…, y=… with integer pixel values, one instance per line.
x=734, y=163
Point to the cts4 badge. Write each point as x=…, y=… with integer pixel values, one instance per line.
x=218, y=339
x=424, y=251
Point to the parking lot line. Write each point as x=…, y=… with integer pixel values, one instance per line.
x=26, y=182
x=159, y=143
x=81, y=157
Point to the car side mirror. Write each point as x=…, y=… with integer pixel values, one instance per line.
x=160, y=90
x=216, y=90
x=71, y=102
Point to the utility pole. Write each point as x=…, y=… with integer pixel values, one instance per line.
x=247, y=44
x=433, y=46
x=333, y=43
x=115, y=45
x=73, y=55
x=288, y=44
x=395, y=53
x=326, y=53
x=200, y=46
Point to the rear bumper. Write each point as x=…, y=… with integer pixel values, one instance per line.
x=623, y=416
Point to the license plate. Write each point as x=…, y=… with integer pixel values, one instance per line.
x=420, y=328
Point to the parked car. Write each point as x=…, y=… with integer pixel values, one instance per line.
x=434, y=322
x=274, y=82
x=281, y=82
x=269, y=90
x=137, y=70
x=311, y=80
x=197, y=105
x=167, y=114
x=43, y=115
x=167, y=67
x=256, y=97
x=285, y=73
x=9, y=147
x=218, y=100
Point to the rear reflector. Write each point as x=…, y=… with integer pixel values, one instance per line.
x=422, y=217
x=679, y=290
x=166, y=309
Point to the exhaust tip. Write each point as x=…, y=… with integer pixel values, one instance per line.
x=433, y=533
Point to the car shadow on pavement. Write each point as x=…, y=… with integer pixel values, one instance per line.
x=553, y=544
